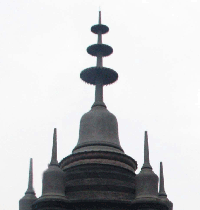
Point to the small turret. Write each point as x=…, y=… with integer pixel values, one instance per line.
x=26, y=202
x=162, y=193
x=146, y=180
x=53, y=184
x=53, y=177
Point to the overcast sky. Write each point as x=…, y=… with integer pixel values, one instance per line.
x=156, y=54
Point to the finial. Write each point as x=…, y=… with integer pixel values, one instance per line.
x=146, y=153
x=162, y=187
x=54, y=149
x=30, y=189
x=99, y=75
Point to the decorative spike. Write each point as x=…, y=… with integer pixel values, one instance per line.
x=162, y=187
x=30, y=189
x=146, y=153
x=99, y=16
x=54, y=149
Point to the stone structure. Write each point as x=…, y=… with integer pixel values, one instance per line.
x=98, y=174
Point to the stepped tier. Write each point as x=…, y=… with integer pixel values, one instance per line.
x=99, y=176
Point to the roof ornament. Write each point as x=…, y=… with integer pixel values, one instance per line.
x=99, y=75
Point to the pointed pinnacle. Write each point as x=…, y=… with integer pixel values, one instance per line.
x=162, y=187
x=100, y=17
x=146, y=153
x=30, y=189
x=54, y=149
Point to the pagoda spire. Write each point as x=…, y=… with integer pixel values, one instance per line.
x=162, y=192
x=30, y=189
x=98, y=127
x=99, y=75
x=146, y=152
x=54, y=160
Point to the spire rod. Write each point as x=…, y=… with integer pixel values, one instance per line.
x=99, y=82
x=146, y=152
x=30, y=189
x=162, y=187
x=99, y=75
x=54, y=149
x=99, y=64
x=99, y=16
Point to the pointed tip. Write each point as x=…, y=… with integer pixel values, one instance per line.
x=54, y=149
x=31, y=163
x=30, y=189
x=99, y=16
x=146, y=152
x=162, y=192
x=146, y=135
x=55, y=134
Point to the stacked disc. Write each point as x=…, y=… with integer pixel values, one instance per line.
x=100, y=73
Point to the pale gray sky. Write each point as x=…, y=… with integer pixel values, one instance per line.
x=156, y=54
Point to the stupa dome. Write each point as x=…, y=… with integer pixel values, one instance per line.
x=98, y=131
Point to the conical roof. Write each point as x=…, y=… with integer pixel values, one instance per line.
x=98, y=127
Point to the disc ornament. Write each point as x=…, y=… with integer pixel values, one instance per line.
x=100, y=49
x=106, y=75
x=99, y=28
